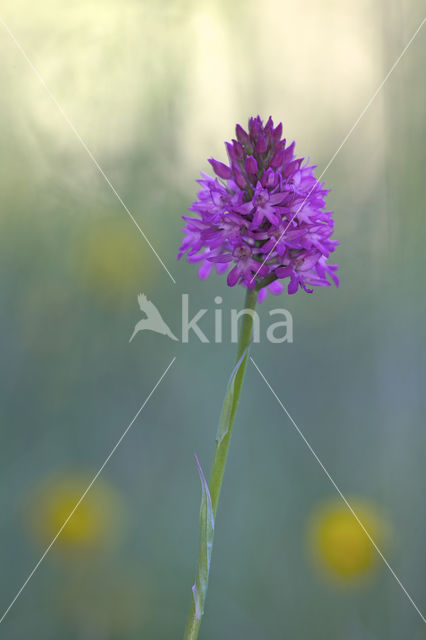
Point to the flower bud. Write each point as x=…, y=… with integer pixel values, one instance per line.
x=261, y=144
x=251, y=165
x=220, y=169
x=242, y=136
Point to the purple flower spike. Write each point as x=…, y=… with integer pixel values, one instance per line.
x=263, y=218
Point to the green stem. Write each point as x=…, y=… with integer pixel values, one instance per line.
x=222, y=446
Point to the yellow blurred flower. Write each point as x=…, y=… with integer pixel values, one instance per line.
x=114, y=260
x=340, y=545
x=93, y=524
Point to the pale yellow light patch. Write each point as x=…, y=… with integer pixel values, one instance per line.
x=95, y=521
x=340, y=545
x=114, y=260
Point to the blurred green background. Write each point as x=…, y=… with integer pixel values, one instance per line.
x=154, y=89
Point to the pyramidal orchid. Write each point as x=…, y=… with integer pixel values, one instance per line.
x=262, y=219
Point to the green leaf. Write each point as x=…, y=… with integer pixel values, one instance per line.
x=228, y=403
x=199, y=589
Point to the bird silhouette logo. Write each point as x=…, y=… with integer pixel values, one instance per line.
x=153, y=320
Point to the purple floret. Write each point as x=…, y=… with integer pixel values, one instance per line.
x=263, y=218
